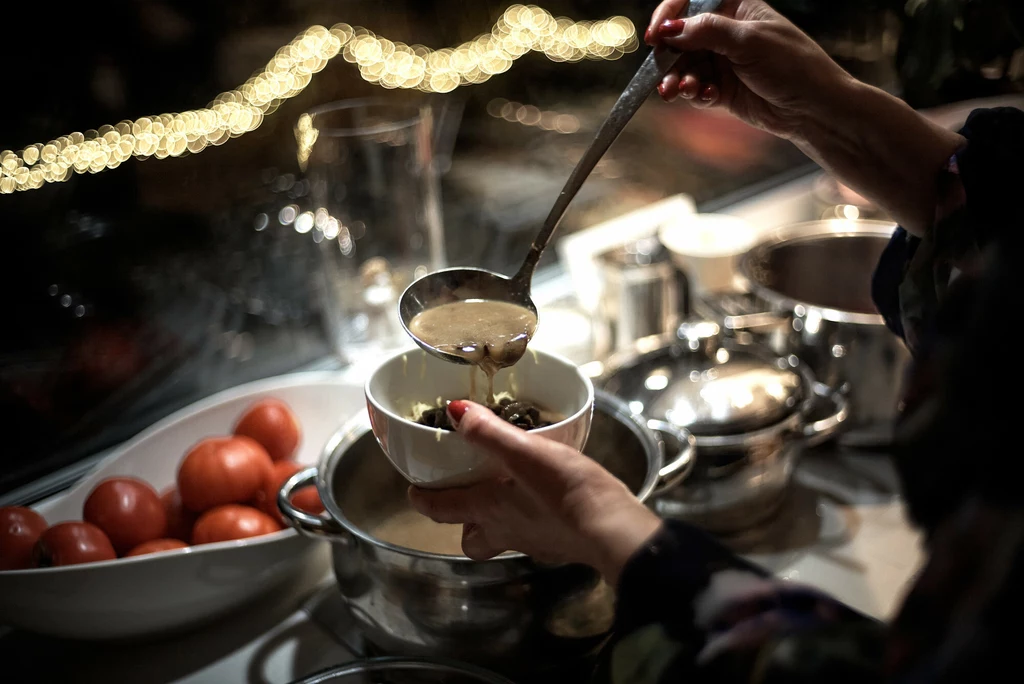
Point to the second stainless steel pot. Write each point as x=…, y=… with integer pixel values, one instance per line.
x=748, y=409
x=810, y=295
x=509, y=613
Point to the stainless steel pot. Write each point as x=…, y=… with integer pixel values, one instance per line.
x=810, y=295
x=746, y=407
x=405, y=669
x=505, y=613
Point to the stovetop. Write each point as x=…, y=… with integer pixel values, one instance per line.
x=326, y=608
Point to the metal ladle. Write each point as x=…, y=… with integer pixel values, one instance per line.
x=458, y=284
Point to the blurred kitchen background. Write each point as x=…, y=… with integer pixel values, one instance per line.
x=190, y=265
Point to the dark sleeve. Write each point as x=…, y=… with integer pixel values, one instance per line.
x=885, y=285
x=992, y=171
x=677, y=563
x=979, y=215
x=978, y=201
x=691, y=611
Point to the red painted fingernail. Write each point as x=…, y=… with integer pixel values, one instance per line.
x=708, y=93
x=671, y=27
x=456, y=410
x=662, y=90
x=647, y=36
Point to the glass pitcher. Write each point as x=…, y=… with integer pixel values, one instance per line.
x=375, y=212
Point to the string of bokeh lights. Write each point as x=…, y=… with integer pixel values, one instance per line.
x=520, y=30
x=528, y=115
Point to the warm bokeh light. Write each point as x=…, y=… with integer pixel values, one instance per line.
x=520, y=30
x=528, y=115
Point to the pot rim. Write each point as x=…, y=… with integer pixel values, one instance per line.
x=806, y=231
x=359, y=426
x=658, y=344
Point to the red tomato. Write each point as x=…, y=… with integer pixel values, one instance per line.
x=71, y=543
x=180, y=520
x=128, y=510
x=222, y=470
x=232, y=521
x=20, y=529
x=271, y=423
x=306, y=499
x=156, y=546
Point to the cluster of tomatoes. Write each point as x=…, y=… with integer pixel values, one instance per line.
x=227, y=489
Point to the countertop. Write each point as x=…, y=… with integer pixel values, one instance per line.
x=842, y=530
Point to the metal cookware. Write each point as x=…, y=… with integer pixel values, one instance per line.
x=506, y=613
x=642, y=295
x=810, y=295
x=392, y=669
x=746, y=408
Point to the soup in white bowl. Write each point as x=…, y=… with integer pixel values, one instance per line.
x=399, y=389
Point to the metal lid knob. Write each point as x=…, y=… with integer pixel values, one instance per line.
x=702, y=337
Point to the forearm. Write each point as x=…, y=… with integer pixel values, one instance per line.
x=881, y=148
x=618, y=537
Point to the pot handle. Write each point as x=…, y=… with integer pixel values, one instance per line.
x=305, y=523
x=752, y=315
x=822, y=430
x=679, y=468
x=753, y=321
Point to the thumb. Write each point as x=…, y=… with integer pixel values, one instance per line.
x=476, y=545
x=712, y=32
x=536, y=459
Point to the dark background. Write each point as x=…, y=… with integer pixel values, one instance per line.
x=129, y=293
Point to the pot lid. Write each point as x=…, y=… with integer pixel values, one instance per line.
x=712, y=388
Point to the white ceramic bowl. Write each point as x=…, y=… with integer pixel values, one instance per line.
x=434, y=458
x=707, y=248
x=175, y=590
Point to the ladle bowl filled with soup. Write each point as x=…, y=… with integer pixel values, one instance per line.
x=407, y=395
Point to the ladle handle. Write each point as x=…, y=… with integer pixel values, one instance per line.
x=658, y=62
x=646, y=79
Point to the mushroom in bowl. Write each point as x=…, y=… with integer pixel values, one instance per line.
x=411, y=383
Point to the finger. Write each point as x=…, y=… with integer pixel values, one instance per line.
x=710, y=94
x=454, y=506
x=668, y=89
x=707, y=75
x=476, y=545
x=713, y=32
x=707, y=96
x=669, y=9
x=689, y=86
x=537, y=460
x=669, y=86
